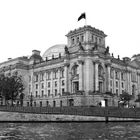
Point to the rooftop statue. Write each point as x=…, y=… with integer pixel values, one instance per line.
x=66, y=50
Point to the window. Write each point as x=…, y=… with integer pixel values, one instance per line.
x=75, y=70
x=36, y=78
x=92, y=38
x=36, y=86
x=63, y=83
x=77, y=39
x=72, y=40
x=99, y=40
x=61, y=104
x=55, y=92
x=34, y=103
x=42, y=92
x=55, y=74
x=54, y=103
x=96, y=39
x=122, y=85
x=40, y=103
x=82, y=38
x=116, y=83
x=63, y=90
x=100, y=69
x=62, y=73
x=116, y=91
x=111, y=73
x=42, y=85
x=49, y=84
x=36, y=93
x=48, y=92
x=42, y=76
x=122, y=76
x=111, y=83
x=47, y=103
x=55, y=83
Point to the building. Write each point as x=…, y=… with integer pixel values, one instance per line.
x=80, y=73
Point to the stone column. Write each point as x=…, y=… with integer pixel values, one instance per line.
x=96, y=76
x=120, y=83
x=114, y=82
x=108, y=77
x=130, y=84
x=45, y=83
x=138, y=85
x=81, y=74
x=127, y=81
x=51, y=82
x=88, y=75
x=59, y=82
x=66, y=65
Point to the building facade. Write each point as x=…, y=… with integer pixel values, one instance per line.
x=77, y=74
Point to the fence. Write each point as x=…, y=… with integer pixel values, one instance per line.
x=83, y=111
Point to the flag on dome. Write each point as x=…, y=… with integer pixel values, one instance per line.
x=83, y=15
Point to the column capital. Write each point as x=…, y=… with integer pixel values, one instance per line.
x=81, y=62
x=66, y=64
x=97, y=62
x=108, y=64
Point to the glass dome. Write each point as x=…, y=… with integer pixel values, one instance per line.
x=54, y=50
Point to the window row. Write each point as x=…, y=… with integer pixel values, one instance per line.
x=48, y=76
x=55, y=93
x=116, y=84
x=48, y=84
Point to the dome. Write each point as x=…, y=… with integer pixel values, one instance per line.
x=54, y=50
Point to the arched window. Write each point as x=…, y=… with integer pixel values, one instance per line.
x=75, y=70
x=100, y=71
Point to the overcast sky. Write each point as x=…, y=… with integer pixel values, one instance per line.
x=26, y=25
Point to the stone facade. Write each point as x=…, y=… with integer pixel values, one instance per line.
x=76, y=74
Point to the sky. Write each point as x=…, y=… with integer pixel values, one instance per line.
x=27, y=25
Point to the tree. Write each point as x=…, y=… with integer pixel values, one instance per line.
x=126, y=97
x=11, y=87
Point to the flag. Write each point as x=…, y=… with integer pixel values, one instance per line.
x=83, y=15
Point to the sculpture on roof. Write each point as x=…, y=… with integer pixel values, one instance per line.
x=107, y=50
x=66, y=50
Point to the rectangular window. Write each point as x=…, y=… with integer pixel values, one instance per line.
x=62, y=73
x=63, y=90
x=116, y=83
x=42, y=76
x=111, y=83
x=36, y=86
x=47, y=103
x=48, y=92
x=116, y=91
x=55, y=83
x=36, y=78
x=42, y=92
x=42, y=85
x=49, y=84
x=36, y=93
x=55, y=92
x=122, y=85
x=82, y=38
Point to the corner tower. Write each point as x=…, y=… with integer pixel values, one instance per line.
x=87, y=36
